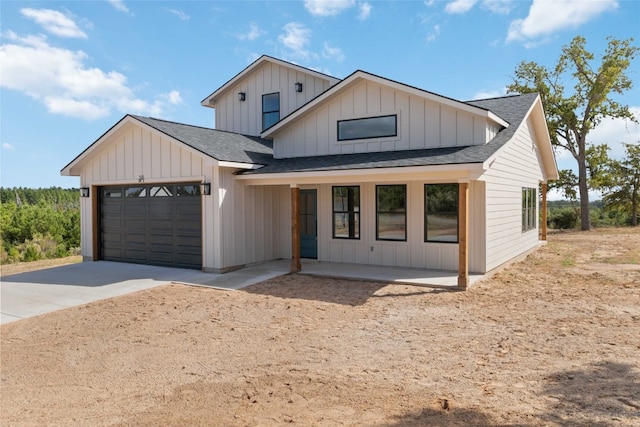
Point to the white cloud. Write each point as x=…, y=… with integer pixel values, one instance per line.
x=501, y=7
x=54, y=22
x=459, y=6
x=614, y=132
x=173, y=97
x=334, y=53
x=365, y=11
x=60, y=79
x=463, y=6
x=7, y=146
x=434, y=33
x=254, y=33
x=180, y=14
x=119, y=5
x=487, y=94
x=327, y=7
x=546, y=17
x=296, y=38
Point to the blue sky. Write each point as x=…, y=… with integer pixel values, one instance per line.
x=70, y=70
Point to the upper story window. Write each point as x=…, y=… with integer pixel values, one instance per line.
x=270, y=109
x=370, y=127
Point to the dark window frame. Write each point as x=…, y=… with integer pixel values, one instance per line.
x=529, y=209
x=382, y=135
x=427, y=213
x=354, y=226
x=265, y=112
x=391, y=212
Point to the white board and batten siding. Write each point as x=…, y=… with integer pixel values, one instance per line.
x=414, y=253
x=422, y=123
x=517, y=166
x=255, y=221
x=135, y=154
x=245, y=117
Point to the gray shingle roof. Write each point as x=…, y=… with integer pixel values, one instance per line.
x=513, y=109
x=221, y=145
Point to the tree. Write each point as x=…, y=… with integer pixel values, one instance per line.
x=621, y=183
x=570, y=117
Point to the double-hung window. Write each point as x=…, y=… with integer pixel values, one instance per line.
x=391, y=212
x=346, y=212
x=441, y=213
x=529, y=202
x=270, y=109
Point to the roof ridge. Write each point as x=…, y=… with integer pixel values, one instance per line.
x=515, y=95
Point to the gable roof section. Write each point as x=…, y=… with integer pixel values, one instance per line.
x=514, y=109
x=219, y=145
x=509, y=108
x=363, y=75
x=210, y=101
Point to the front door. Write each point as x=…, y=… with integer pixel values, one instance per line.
x=308, y=224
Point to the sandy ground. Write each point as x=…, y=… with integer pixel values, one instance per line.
x=553, y=340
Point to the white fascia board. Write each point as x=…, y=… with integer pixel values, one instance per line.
x=238, y=165
x=269, y=133
x=207, y=102
x=439, y=173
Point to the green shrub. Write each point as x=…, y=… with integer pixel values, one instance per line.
x=563, y=218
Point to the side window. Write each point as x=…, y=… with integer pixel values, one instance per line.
x=270, y=110
x=391, y=212
x=441, y=213
x=346, y=212
x=529, y=202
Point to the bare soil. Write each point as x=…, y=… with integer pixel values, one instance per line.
x=553, y=340
x=23, y=267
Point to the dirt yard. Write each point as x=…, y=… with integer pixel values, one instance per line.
x=553, y=340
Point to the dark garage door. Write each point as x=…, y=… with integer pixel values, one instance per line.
x=157, y=224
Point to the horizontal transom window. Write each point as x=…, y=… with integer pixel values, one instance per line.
x=370, y=127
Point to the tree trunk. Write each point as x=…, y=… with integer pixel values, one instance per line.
x=585, y=220
x=634, y=207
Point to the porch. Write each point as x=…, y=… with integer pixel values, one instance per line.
x=413, y=276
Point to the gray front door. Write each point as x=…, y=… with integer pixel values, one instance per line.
x=157, y=224
x=308, y=224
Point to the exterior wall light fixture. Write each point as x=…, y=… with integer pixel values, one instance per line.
x=298, y=87
x=241, y=96
x=205, y=188
x=84, y=192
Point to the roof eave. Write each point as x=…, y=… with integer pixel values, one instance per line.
x=210, y=101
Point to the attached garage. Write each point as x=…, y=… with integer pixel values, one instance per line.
x=156, y=224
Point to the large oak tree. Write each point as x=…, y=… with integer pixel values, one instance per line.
x=577, y=96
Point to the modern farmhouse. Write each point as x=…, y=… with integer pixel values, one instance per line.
x=363, y=170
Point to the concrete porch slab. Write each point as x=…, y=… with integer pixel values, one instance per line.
x=413, y=276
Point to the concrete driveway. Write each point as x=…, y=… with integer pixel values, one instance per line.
x=38, y=292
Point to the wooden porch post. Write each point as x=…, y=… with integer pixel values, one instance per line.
x=543, y=226
x=463, y=235
x=295, y=230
